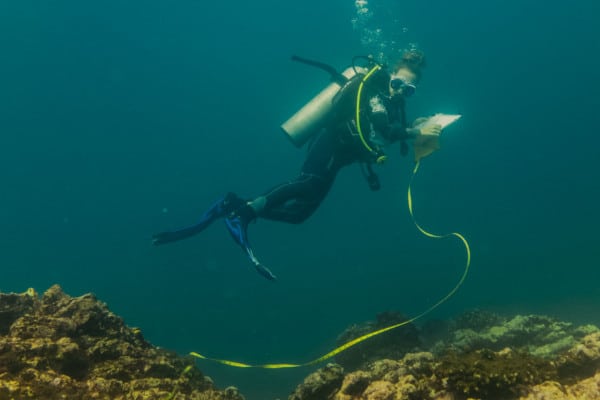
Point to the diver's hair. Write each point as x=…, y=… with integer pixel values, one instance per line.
x=413, y=60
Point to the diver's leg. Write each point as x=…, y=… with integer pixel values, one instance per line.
x=293, y=202
x=219, y=209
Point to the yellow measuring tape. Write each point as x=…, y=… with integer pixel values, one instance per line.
x=360, y=339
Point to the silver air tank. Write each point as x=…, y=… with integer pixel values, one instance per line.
x=310, y=118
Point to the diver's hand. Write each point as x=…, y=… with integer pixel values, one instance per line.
x=434, y=129
x=420, y=127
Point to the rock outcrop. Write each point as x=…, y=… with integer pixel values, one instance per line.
x=62, y=347
x=479, y=356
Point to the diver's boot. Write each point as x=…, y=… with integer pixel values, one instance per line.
x=237, y=225
x=221, y=208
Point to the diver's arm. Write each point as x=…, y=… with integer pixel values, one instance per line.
x=396, y=130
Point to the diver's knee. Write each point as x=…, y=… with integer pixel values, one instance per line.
x=258, y=204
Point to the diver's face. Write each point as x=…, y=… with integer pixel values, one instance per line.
x=403, y=83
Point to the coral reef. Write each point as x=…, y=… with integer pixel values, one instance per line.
x=540, y=335
x=587, y=389
x=479, y=356
x=62, y=347
x=320, y=385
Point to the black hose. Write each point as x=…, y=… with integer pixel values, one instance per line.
x=335, y=75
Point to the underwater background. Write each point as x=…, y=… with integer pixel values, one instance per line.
x=122, y=119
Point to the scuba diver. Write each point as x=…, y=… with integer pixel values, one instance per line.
x=362, y=115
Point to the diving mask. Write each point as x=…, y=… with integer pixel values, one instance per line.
x=408, y=89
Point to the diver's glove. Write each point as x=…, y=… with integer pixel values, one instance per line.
x=431, y=130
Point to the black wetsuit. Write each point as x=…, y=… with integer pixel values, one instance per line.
x=334, y=147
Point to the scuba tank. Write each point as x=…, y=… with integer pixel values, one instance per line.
x=301, y=126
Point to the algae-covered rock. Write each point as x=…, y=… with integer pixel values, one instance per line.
x=586, y=389
x=484, y=356
x=320, y=385
x=62, y=347
x=492, y=375
x=13, y=306
x=540, y=335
